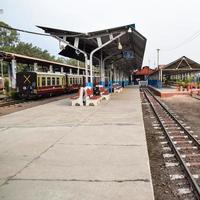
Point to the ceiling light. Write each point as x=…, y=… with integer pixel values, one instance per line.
x=119, y=45
x=130, y=30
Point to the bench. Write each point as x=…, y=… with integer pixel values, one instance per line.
x=105, y=95
x=90, y=98
x=78, y=99
x=117, y=88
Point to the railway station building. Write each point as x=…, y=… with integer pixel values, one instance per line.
x=116, y=51
x=180, y=69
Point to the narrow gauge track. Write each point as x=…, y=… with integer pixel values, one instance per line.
x=10, y=102
x=183, y=144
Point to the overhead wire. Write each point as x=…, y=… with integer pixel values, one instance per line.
x=25, y=31
x=187, y=40
x=36, y=33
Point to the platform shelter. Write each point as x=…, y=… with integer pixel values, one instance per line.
x=13, y=60
x=115, y=51
x=179, y=69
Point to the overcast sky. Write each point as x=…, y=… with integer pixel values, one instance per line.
x=165, y=23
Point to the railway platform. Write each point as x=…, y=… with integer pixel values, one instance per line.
x=56, y=151
x=168, y=92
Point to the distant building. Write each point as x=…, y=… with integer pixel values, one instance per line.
x=141, y=74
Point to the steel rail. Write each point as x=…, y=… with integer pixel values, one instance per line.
x=177, y=121
x=189, y=176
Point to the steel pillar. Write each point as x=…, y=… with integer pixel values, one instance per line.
x=100, y=47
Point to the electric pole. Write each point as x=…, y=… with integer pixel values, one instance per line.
x=158, y=51
x=159, y=75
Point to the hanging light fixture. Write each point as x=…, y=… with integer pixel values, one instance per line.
x=130, y=30
x=119, y=44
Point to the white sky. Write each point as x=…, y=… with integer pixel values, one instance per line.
x=165, y=23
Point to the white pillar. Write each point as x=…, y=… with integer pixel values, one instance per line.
x=115, y=74
x=13, y=73
x=35, y=67
x=111, y=73
x=91, y=71
x=103, y=72
x=70, y=70
x=78, y=70
x=61, y=70
x=51, y=68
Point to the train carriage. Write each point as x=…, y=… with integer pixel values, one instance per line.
x=74, y=82
x=30, y=84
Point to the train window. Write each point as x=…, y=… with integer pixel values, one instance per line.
x=38, y=81
x=43, y=81
x=57, y=81
x=53, y=81
x=70, y=81
x=48, y=81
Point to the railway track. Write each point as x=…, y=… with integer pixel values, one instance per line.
x=10, y=102
x=183, y=146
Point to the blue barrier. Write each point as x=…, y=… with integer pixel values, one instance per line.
x=89, y=84
x=110, y=86
x=102, y=83
x=155, y=83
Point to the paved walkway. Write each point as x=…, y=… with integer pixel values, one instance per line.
x=56, y=151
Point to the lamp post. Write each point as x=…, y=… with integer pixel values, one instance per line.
x=158, y=51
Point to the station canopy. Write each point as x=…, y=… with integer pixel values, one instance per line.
x=128, y=57
x=181, y=65
x=8, y=57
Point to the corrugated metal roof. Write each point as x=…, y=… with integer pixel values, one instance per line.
x=133, y=41
x=8, y=56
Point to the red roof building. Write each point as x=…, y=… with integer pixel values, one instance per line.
x=141, y=74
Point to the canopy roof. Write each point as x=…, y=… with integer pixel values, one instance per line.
x=181, y=65
x=145, y=71
x=131, y=41
x=7, y=56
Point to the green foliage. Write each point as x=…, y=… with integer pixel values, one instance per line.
x=14, y=95
x=6, y=85
x=8, y=38
x=75, y=62
x=9, y=42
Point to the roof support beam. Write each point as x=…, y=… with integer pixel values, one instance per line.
x=77, y=49
x=183, y=59
x=98, y=48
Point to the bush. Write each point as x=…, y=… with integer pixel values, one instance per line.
x=14, y=95
x=6, y=85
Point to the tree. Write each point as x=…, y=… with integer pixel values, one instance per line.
x=8, y=38
x=10, y=42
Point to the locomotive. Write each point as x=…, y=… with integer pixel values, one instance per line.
x=36, y=84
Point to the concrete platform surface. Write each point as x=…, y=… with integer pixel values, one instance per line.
x=55, y=151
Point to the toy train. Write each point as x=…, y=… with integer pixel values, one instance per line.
x=36, y=84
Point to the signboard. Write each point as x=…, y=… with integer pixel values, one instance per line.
x=129, y=55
